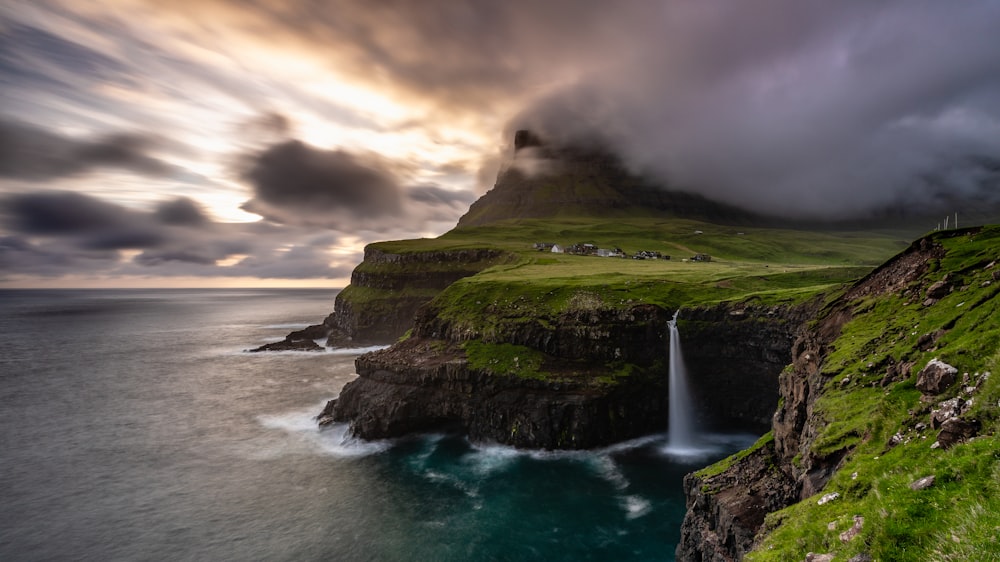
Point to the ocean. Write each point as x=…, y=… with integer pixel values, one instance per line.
x=135, y=427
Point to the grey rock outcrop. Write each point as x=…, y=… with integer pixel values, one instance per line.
x=936, y=377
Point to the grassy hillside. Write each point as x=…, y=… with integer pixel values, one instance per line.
x=768, y=264
x=885, y=425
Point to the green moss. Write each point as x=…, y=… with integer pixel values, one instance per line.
x=718, y=468
x=504, y=359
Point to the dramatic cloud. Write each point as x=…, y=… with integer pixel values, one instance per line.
x=181, y=211
x=298, y=184
x=60, y=233
x=294, y=177
x=801, y=108
x=367, y=120
x=33, y=154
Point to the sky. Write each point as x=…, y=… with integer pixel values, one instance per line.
x=264, y=143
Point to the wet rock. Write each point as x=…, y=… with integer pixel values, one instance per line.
x=936, y=377
x=289, y=345
x=725, y=511
x=922, y=483
x=957, y=430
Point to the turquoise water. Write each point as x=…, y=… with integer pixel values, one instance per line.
x=134, y=427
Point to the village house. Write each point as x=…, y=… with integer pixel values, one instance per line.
x=649, y=255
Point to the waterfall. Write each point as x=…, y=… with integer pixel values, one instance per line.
x=680, y=435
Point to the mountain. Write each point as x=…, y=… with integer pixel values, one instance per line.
x=541, y=180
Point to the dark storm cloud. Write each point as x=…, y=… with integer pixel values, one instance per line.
x=293, y=177
x=63, y=213
x=814, y=108
x=181, y=211
x=33, y=154
x=801, y=108
x=56, y=233
x=298, y=184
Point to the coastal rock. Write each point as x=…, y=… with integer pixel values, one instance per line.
x=726, y=510
x=407, y=389
x=936, y=377
x=425, y=382
x=289, y=345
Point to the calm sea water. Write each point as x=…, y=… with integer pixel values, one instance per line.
x=134, y=427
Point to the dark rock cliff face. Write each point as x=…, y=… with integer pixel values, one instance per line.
x=727, y=510
x=385, y=293
x=735, y=353
x=426, y=382
x=417, y=386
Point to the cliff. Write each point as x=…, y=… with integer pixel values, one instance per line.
x=869, y=419
x=392, y=283
x=541, y=180
x=386, y=290
x=580, y=376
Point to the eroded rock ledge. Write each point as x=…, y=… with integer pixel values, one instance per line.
x=603, y=376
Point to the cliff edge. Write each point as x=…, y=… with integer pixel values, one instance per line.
x=884, y=445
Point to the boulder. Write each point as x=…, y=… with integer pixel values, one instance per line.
x=946, y=410
x=956, y=430
x=922, y=483
x=936, y=377
x=939, y=290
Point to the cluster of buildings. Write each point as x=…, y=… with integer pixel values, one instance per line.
x=587, y=249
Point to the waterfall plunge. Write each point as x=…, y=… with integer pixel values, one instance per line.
x=680, y=436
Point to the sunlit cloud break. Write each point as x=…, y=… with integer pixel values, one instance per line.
x=252, y=140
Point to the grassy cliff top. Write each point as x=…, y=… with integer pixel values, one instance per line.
x=772, y=265
x=884, y=424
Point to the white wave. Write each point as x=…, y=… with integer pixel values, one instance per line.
x=635, y=506
x=608, y=469
x=487, y=459
x=354, y=350
x=334, y=440
x=466, y=488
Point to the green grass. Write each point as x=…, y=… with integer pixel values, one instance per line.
x=958, y=518
x=724, y=465
x=504, y=359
